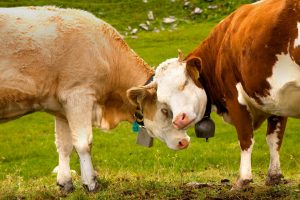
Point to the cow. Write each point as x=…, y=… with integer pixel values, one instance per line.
x=70, y=64
x=249, y=67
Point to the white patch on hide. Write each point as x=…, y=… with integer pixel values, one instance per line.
x=284, y=93
x=258, y=2
x=285, y=88
x=245, y=166
x=26, y=20
x=272, y=140
x=297, y=40
x=241, y=94
x=285, y=70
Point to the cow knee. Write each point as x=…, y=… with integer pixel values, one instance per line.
x=82, y=147
x=246, y=143
x=65, y=149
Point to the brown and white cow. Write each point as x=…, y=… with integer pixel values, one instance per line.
x=249, y=67
x=75, y=66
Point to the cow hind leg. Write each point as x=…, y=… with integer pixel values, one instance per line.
x=275, y=131
x=79, y=115
x=63, y=141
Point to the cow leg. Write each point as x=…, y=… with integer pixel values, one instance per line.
x=242, y=120
x=276, y=128
x=63, y=141
x=78, y=109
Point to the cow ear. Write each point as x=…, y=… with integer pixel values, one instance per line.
x=136, y=95
x=194, y=68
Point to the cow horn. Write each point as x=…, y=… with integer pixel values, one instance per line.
x=180, y=55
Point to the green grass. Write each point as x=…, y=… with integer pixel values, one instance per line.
x=133, y=12
x=126, y=170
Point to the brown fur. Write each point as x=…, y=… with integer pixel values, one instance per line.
x=84, y=54
x=243, y=48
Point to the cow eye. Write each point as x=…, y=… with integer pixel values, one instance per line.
x=165, y=112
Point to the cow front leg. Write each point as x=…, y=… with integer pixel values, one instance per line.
x=242, y=121
x=79, y=114
x=245, y=178
x=275, y=132
x=63, y=141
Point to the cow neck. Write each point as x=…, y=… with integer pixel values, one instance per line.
x=132, y=69
x=208, y=78
x=212, y=86
x=126, y=70
x=208, y=52
x=134, y=72
x=209, y=101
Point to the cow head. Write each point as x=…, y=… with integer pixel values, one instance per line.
x=170, y=104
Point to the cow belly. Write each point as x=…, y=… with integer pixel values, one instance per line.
x=284, y=96
x=13, y=110
x=284, y=93
x=283, y=102
x=15, y=104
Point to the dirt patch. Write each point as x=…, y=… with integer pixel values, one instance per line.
x=222, y=192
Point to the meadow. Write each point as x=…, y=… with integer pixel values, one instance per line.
x=126, y=170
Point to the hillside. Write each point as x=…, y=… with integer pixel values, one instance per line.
x=124, y=13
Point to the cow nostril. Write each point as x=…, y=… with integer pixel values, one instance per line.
x=181, y=121
x=184, y=143
x=183, y=116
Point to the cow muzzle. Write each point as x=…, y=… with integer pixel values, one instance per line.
x=182, y=121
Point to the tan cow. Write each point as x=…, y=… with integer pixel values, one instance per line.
x=73, y=65
x=249, y=67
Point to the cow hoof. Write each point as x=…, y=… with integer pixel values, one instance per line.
x=274, y=179
x=66, y=187
x=93, y=187
x=241, y=185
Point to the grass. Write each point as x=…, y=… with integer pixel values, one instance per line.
x=127, y=171
x=133, y=12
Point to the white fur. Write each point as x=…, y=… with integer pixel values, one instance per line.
x=87, y=170
x=284, y=93
x=245, y=166
x=241, y=94
x=285, y=88
x=191, y=100
x=165, y=132
x=272, y=140
x=285, y=70
x=64, y=149
x=163, y=129
x=297, y=40
x=258, y=2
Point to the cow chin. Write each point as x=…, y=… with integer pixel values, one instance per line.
x=174, y=139
x=175, y=142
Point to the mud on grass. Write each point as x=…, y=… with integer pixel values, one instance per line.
x=223, y=192
x=133, y=187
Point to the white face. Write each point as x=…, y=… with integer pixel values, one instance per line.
x=170, y=104
x=159, y=125
x=176, y=89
